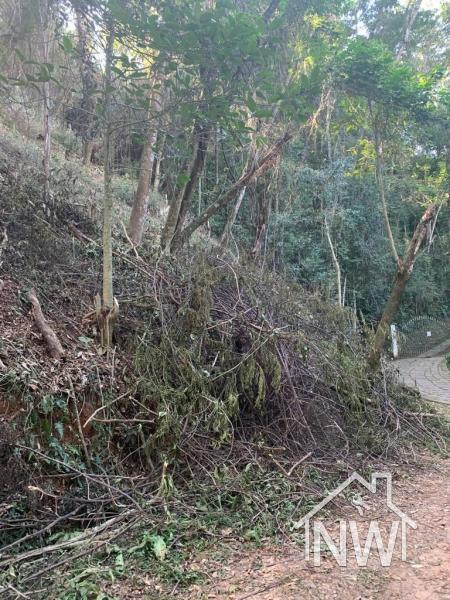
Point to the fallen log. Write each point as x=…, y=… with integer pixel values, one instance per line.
x=51, y=339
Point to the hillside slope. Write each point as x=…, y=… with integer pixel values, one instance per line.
x=220, y=373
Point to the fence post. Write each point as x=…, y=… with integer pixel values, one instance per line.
x=394, y=340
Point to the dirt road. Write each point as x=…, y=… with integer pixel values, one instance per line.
x=429, y=375
x=282, y=573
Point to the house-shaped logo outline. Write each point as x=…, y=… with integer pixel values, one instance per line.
x=372, y=488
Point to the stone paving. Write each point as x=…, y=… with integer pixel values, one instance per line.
x=429, y=375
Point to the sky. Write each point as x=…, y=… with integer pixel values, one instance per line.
x=431, y=4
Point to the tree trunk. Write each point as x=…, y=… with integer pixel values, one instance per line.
x=411, y=14
x=88, y=149
x=330, y=100
x=47, y=146
x=251, y=159
x=88, y=84
x=253, y=172
x=261, y=218
x=179, y=208
x=196, y=172
x=140, y=204
x=107, y=311
x=45, y=18
x=404, y=270
x=226, y=234
x=337, y=266
x=379, y=168
x=157, y=165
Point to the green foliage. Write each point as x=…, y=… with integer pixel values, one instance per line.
x=368, y=68
x=123, y=190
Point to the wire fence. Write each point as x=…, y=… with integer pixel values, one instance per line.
x=422, y=334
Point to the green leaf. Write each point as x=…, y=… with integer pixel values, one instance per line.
x=67, y=43
x=182, y=179
x=159, y=547
x=251, y=103
x=59, y=427
x=119, y=563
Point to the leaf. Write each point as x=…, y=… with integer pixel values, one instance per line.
x=59, y=427
x=182, y=179
x=159, y=547
x=119, y=563
x=67, y=43
x=84, y=340
x=251, y=103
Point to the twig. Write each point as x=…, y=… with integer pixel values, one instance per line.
x=41, y=531
x=78, y=555
x=81, y=539
x=292, y=469
x=16, y=591
x=87, y=476
x=80, y=429
x=3, y=245
x=125, y=232
x=92, y=417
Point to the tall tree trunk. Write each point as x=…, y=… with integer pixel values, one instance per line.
x=47, y=145
x=107, y=311
x=404, y=269
x=88, y=83
x=252, y=173
x=45, y=19
x=180, y=206
x=88, y=150
x=411, y=14
x=337, y=266
x=251, y=159
x=156, y=179
x=196, y=172
x=329, y=99
x=261, y=218
x=379, y=172
x=140, y=204
x=405, y=266
x=226, y=234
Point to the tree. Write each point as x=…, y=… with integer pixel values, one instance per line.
x=107, y=307
x=180, y=205
x=251, y=174
x=394, y=92
x=405, y=267
x=45, y=21
x=86, y=65
x=140, y=203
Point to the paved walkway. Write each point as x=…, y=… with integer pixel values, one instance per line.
x=429, y=375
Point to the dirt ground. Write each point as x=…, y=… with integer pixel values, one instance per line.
x=282, y=573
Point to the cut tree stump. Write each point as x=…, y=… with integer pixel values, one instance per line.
x=51, y=339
